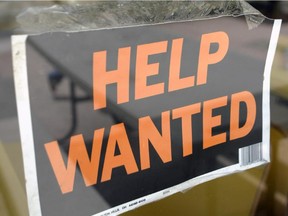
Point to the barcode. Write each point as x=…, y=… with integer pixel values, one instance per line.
x=250, y=154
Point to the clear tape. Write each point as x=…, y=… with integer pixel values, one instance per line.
x=83, y=15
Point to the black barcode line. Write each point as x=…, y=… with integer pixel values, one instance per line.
x=250, y=154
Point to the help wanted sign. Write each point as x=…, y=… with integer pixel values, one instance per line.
x=113, y=119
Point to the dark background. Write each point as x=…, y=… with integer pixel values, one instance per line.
x=241, y=74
